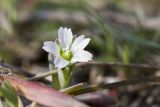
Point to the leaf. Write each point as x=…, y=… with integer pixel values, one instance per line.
x=55, y=81
x=73, y=88
x=34, y=104
x=9, y=93
x=132, y=38
x=43, y=95
x=20, y=104
x=120, y=35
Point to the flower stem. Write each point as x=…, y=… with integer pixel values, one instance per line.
x=64, y=76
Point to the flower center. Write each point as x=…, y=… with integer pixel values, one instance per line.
x=66, y=54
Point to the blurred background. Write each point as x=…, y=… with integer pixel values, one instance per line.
x=124, y=31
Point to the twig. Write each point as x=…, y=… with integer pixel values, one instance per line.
x=37, y=77
x=15, y=69
x=144, y=66
x=140, y=80
x=21, y=71
x=117, y=64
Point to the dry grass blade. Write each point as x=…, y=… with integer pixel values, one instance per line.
x=140, y=80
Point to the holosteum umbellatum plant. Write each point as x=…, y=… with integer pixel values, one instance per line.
x=64, y=53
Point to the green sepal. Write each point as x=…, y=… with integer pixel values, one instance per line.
x=64, y=76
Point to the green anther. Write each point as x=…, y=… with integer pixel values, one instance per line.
x=66, y=54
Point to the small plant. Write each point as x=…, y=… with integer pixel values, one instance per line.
x=65, y=52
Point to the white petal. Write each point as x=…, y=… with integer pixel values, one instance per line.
x=76, y=42
x=50, y=57
x=81, y=56
x=51, y=47
x=60, y=63
x=65, y=37
x=61, y=36
x=81, y=45
x=68, y=37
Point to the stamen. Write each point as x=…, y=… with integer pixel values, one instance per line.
x=66, y=54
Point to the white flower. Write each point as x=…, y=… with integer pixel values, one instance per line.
x=69, y=49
